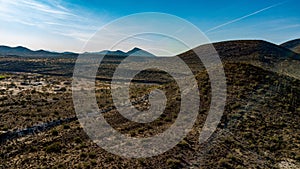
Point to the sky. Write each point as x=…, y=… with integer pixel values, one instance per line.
x=66, y=25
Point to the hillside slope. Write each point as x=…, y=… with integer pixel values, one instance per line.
x=259, y=129
x=293, y=45
x=248, y=50
x=256, y=52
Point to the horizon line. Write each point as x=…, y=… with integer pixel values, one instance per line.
x=67, y=51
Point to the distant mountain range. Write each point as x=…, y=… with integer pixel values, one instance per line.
x=278, y=58
x=25, y=52
x=134, y=52
x=237, y=49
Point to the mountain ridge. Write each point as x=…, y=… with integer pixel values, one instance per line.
x=246, y=49
x=233, y=49
x=25, y=52
x=259, y=53
x=133, y=52
x=293, y=45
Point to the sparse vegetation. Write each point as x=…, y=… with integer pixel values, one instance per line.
x=259, y=128
x=53, y=148
x=2, y=77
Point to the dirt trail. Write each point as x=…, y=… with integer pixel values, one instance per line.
x=9, y=135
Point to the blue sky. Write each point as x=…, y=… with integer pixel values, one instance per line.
x=65, y=25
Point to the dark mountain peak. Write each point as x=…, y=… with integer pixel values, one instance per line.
x=21, y=47
x=135, y=49
x=133, y=52
x=70, y=53
x=120, y=52
x=255, y=50
x=6, y=50
x=41, y=50
x=293, y=45
x=17, y=47
x=111, y=53
x=139, y=52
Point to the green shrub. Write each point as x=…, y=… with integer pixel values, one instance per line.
x=173, y=163
x=78, y=140
x=225, y=163
x=54, y=133
x=66, y=126
x=92, y=155
x=93, y=162
x=53, y=148
x=183, y=144
x=83, y=155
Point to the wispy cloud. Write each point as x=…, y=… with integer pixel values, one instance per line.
x=287, y=27
x=25, y=7
x=244, y=17
x=51, y=16
x=43, y=8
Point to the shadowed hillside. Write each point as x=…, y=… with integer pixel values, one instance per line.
x=257, y=52
x=293, y=45
x=248, y=50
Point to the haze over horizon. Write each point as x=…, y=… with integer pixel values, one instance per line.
x=65, y=25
